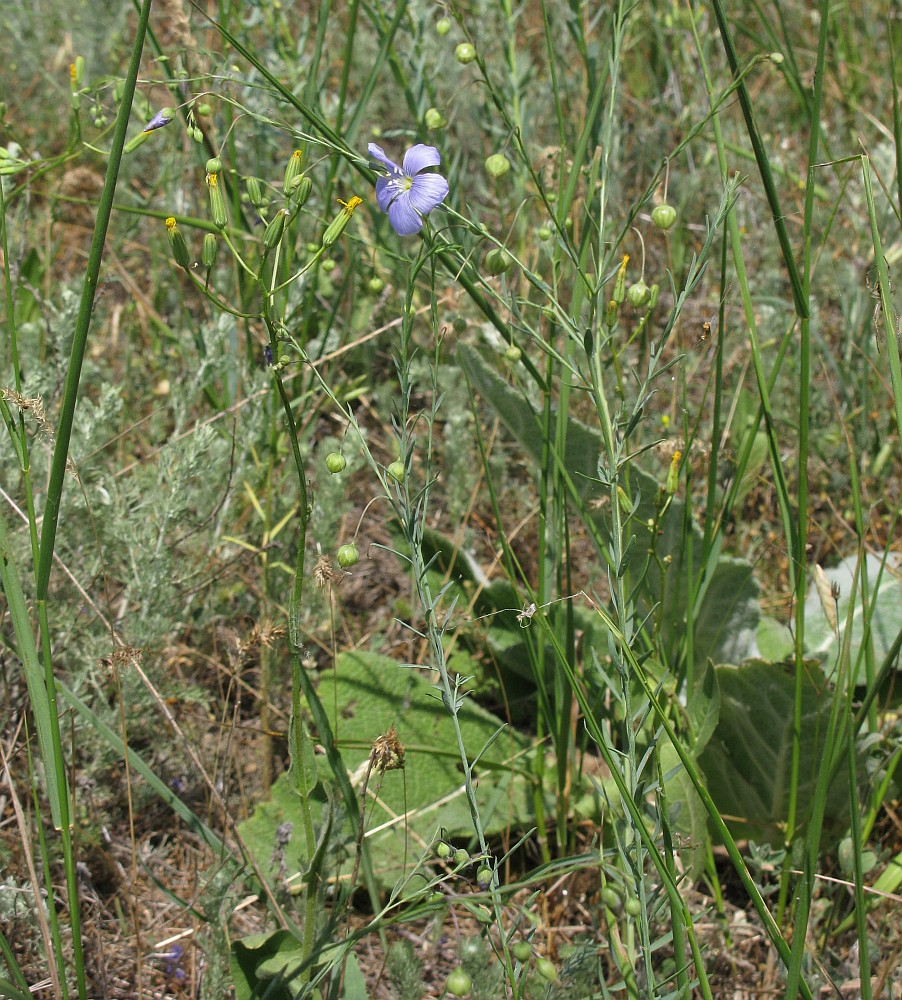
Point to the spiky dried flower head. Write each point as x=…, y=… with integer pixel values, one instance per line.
x=388, y=751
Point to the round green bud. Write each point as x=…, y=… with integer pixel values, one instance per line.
x=459, y=983
x=544, y=233
x=397, y=471
x=312, y=247
x=375, y=285
x=336, y=462
x=214, y=165
x=465, y=53
x=776, y=58
x=638, y=293
x=546, y=969
x=610, y=897
x=99, y=121
x=284, y=360
x=196, y=134
x=347, y=555
x=459, y=324
x=497, y=165
x=442, y=26
x=484, y=876
x=498, y=261
x=513, y=354
x=204, y=109
x=522, y=951
x=328, y=265
x=632, y=906
x=443, y=850
x=435, y=119
x=461, y=856
x=663, y=216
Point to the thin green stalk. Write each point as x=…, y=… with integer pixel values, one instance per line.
x=720, y=828
x=812, y=836
x=763, y=160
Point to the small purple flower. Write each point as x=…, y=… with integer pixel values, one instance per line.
x=406, y=193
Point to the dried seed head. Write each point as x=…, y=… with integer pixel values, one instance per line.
x=388, y=751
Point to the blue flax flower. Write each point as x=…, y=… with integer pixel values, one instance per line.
x=406, y=193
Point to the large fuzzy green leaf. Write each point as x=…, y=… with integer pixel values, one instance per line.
x=369, y=693
x=747, y=761
x=885, y=621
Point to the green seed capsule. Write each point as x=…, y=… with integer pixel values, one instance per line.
x=459, y=983
x=275, y=230
x=610, y=897
x=397, y=471
x=498, y=261
x=210, y=250
x=638, y=293
x=465, y=53
x=347, y=555
x=375, y=285
x=663, y=216
x=632, y=906
x=443, y=850
x=513, y=354
x=177, y=244
x=522, y=951
x=442, y=26
x=544, y=233
x=214, y=165
x=461, y=856
x=204, y=109
x=497, y=165
x=336, y=462
x=435, y=119
x=546, y=969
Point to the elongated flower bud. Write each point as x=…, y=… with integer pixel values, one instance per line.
x=673, y=473
x=301, y=186
x=254, y=191
x=275, y=230
x=210, y=250
x=619, y=293
x=163, y=117
x=217, y=203
x=177, y=244
x=337, y=226
x=293, y=169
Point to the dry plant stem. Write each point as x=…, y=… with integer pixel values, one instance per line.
x=25, y=843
